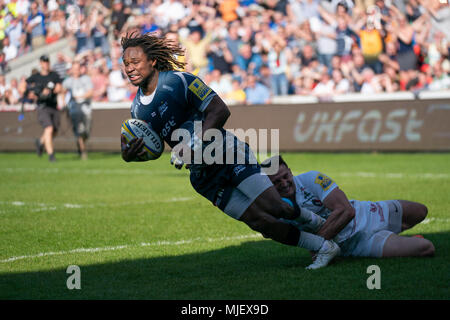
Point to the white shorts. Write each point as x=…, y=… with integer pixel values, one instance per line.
x=245, y=194
x=384, y=220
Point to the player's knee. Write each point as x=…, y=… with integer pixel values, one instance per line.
x=422, y=211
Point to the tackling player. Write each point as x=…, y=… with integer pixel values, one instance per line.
x=360, y=228
x=169, y=100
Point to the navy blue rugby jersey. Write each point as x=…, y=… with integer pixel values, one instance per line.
x=179, y=97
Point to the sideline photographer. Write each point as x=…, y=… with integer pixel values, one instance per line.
x=43, y=88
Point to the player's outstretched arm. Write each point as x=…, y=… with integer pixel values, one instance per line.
x=342, y=213
x=216, y=114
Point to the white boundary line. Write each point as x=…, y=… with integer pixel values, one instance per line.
x=141, y=245
x=390, y=175
x=40, y=207
x=87, y=171
x=359, y=174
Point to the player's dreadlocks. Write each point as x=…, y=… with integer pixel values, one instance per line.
x=156, y=48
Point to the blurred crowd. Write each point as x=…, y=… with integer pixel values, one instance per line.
x=248, y=51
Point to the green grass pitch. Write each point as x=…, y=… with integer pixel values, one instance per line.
x=139, y=231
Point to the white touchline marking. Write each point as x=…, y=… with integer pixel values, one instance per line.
x=52, y=207
x=87, y=171
x=388, y=175
x=394, y=175
x=428, y=220
x=361, y=174
x=143, y=244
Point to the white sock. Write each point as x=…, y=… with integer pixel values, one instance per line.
x=310, y=241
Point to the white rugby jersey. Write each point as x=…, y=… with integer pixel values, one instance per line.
x=313, y=187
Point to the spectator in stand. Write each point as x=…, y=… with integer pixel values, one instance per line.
x=341, y=84
x=22, y=7
x=227, y=9
x=36, y=26
x=353, y=70
x=370, y=83
x=9, y=50
x=221, y=84
x=173, y=11
x=278, y=64
x=22, y=88
x=439, y=13
x=441, y=79
x=238, y=73
x=308, y=86
x=55, y=30
x=100, y=83
x=3, y=88
x=402, y=33
x=345, y=37
x=24, y=47
x=371, y=43
x=220, y=57
x=82, y=36
x=308, y=55
x=390, y=57
x=233, y=41
x=119, y=17
x=174, y=37
x=413, y=10
x=117, y=85
x=325, y=87
x=62, y=65
x=249, y=60
x=266, y=76
x=197, y=18
x=99, y=31
x=13, y=94
x=437, y=49
x=256, y=92
x=237, y=94
x=303, y=10
x=196, y=48
x=326, y=41
x=14, y=32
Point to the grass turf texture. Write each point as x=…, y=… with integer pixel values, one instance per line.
x=139, y=231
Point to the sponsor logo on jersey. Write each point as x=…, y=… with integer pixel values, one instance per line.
x=324, y=181
x=238, y=169
x=200, y=89
x=163, y=108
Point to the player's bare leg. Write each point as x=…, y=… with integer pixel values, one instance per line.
x=47, y=139
x=263, y=216
x=82, y=148
x=401, y=246
x=413, y=213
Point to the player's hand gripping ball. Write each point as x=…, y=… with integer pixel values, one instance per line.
x=152, y=145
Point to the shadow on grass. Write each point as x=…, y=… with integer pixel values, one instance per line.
x=251, y=270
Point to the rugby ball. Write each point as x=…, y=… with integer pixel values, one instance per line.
x=153, y=144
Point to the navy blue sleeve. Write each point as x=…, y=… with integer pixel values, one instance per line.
x=197, y=93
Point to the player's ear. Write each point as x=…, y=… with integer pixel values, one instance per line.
x=153, y=62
